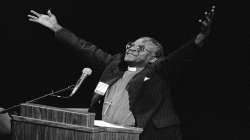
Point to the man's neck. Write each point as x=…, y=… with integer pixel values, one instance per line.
x=137, y=65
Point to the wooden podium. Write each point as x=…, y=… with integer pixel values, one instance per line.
x=41, y=122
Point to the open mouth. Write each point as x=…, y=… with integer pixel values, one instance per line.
x=129, y=53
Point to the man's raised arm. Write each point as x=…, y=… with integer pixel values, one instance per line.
x=90, y=51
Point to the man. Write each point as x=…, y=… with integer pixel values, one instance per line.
x=134, y=91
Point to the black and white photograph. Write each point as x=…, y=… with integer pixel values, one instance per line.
x=123, y=70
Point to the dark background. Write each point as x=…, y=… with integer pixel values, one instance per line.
x=208, y=91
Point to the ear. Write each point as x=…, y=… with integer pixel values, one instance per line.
x=152, y=60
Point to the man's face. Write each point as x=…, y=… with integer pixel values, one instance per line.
x=140, y=52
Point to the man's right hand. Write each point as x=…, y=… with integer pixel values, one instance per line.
x=48, y=21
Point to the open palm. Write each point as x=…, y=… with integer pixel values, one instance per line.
x=46, y=20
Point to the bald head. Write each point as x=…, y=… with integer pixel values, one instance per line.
x=159, y=52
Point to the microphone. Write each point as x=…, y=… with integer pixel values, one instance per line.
x=85, y=73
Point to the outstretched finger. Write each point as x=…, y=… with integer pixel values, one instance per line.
x=32, y=17
x=34, y=12
x=49, y=13
x=33, y=20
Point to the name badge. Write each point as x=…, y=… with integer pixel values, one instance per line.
x=101, y=88
x=146, y=78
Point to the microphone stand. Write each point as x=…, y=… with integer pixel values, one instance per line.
x=41, y=97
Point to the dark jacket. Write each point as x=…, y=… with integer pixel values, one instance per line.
x=150, y=99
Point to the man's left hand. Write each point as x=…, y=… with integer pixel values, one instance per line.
x=205, y=27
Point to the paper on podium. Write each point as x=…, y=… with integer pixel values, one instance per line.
x=102, y=123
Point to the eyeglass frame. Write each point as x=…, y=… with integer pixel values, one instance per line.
x=139, y=48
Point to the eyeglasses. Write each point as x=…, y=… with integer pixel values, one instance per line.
x=138, y=49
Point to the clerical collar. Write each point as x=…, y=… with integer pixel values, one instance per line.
x=131, y=68
x=134, y=69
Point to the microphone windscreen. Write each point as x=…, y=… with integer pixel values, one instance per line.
x=87, y=71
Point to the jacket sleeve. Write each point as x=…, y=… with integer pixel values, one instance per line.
x=91, y=53
x=185, y=51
